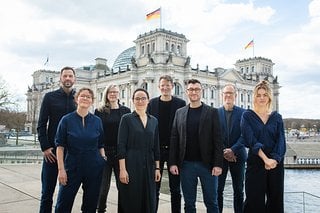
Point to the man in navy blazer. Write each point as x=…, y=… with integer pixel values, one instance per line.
x=196, y=149
x=234, y=152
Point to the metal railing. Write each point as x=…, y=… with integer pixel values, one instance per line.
x=301, y=202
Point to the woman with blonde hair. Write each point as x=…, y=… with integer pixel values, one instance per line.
x=110, y=112
x=263, y=134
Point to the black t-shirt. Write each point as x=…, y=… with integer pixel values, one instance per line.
x=111, y=126
x=164, y=122
x=193, y=148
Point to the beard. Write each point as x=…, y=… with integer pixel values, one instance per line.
x=67, y=84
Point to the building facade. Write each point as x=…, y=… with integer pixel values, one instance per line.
x=157, y=53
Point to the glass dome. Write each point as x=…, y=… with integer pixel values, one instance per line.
x=124, y=59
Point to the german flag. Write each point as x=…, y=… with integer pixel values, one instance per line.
x=153, y=15
x=250, y=44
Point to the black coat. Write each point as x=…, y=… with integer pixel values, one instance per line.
x=211, y=147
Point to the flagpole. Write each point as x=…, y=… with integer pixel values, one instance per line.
x=160, y=18
x=253, y=48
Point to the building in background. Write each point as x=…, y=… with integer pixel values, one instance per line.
x=156, y=53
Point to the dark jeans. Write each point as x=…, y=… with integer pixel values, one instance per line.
x=174, y=184
x=190, y=172
x=49, y=176
x=237, y=174
x=112, y=164
x=264, y=188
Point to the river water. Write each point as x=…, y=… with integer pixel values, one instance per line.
x=302, y=191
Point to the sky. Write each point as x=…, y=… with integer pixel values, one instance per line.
x=75, y=32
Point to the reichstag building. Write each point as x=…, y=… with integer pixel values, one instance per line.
x=154, y=54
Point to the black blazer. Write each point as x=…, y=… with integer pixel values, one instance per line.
x=211, y=147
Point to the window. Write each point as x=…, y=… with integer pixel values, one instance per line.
x=241, y=97
x=167, y=46
x=204, y=94
x=148, y=48
x=122, y=93
x=252, y=69
x=249, y=98
x=212, y=94
x=172, y=48
x=178, y=49
x=153, y=47
x=142, y=50
x=145, y=86
x=177, y=89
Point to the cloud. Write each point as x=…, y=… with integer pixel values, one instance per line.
x=75, y=32
x=314, y=8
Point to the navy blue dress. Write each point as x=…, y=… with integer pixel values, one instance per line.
x=139, y=146
x=83, y=162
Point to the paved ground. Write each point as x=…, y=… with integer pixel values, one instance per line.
x=20, y=191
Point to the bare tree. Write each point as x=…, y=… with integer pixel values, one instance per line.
x=14, y=120
x=5, y=97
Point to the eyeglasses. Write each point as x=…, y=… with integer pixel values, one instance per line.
x=228, y=93
x=113, y=92
x=140, y=98
x=194, y=90
x=85, y=96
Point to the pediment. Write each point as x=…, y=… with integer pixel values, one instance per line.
x=231, y=75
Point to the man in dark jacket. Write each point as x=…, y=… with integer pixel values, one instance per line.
x=55, y=104
x=163, y=108
x=196, y=149
x=234, y=152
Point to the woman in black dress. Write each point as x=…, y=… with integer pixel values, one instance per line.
x=139, y=155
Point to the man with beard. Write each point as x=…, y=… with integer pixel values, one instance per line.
x=55, y=104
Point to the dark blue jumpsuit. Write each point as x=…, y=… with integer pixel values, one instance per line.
x=83, y=162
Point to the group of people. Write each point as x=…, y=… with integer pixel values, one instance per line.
x=194, y=140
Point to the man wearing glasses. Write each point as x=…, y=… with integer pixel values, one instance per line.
x=196, y=149
x=234, y=152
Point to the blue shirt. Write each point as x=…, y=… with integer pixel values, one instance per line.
x=269, y=137
x=78, y=138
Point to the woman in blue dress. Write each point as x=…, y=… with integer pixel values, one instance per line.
x=80, y=155
x=139, y=155
x=263, y=134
